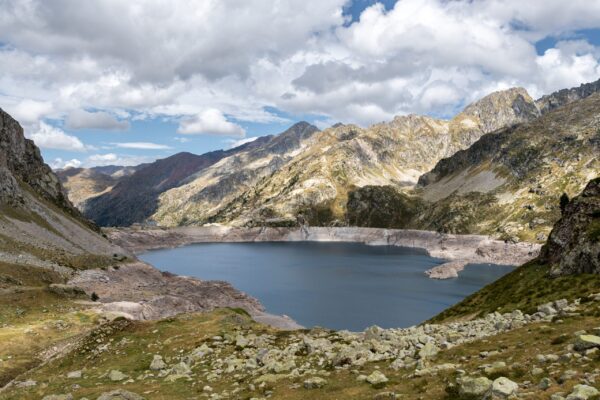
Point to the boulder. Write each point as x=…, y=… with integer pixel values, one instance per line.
x=377, y=378
x=502, y=388
x=69, y=291
x=470, y=386
x=583, y=392
x=585, y=342
x=58, y=397
x=157, y=363
x=314, y=383
x=116, y=375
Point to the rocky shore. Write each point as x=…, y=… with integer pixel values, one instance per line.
x=139, y=291
x=464, y=248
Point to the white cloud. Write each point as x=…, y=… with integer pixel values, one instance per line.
x=239, y=57
x=236, y=143
x=59, y=163
x=29, y=111
x=125, y=160
x=210, y=122
x=50, y=137
x=81, y=119
x=142, y=146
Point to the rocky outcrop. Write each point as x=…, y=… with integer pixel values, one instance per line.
x=574, y=244
x=38, y=224
x=447, y=270
x=566, y=96
x=508, y=183
x=380, y=207
x=141, y=292
x=20, y=161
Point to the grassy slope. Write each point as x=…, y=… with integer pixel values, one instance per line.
x=525, y=288
x=134, y=343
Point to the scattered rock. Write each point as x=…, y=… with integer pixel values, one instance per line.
x=585, y=342
x=582, y=392
x=502, y=388
x=157, y=363
x=69, y=291
x=314, y=383
x=75, y=374
x=470, y=386
x=120, y=394
x=116, y=375
x=377, y=378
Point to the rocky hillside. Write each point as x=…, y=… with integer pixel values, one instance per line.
x=508, y=183
x=574, y=244
x=311, y=181
x=82, y=184
x=526, y=336
x=38, y=224
x=134, y=198
x=212, y=195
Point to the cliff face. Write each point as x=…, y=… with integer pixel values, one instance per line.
x=20, y=161
x=574, y=244
x=508, y=183
x=38, y=224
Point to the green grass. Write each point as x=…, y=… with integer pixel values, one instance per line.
x=525, y=288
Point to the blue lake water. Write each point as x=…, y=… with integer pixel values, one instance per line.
x=335, y=285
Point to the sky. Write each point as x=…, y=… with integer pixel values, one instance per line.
x=101, y=82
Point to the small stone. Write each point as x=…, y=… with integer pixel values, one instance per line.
x=377, y=378
x=537, y=371
x=116, y=375
x=314, y=383
x=58, y=397
x=120, y=394
x=428, y=351
x=385, y=396
x=157, y=363
x=74, y=374
x=545, y=383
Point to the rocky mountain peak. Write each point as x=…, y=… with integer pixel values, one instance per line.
x=574, y=244
x=20, y=161
x=502, y=108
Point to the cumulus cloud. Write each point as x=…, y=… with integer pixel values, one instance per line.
x=243, y=58
x=59, y=163
x=50, y=137
x=210, y=122
x=81, y=119
x=142, y=146
x=29, y=111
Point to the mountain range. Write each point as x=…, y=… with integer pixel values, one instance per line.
x=496, y=168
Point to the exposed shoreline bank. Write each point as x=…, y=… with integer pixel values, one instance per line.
x=464, y=248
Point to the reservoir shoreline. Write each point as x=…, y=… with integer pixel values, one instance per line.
x=463, y=248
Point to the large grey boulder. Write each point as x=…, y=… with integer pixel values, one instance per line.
x=473, y=387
